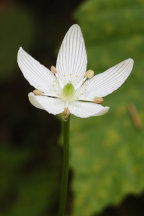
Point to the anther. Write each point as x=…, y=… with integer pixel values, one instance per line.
x=98, y=100
x=53, y=69
x=37, y=92
x=66, y=113
x=89, y=74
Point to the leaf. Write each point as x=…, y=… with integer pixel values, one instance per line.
x=107, y=151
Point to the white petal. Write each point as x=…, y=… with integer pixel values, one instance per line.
x=37, y=75
x=87, y=109
x=105, y=83
x=51, y=105
x=34, y=101
x=72, y=58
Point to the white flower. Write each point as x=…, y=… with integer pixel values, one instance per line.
x=69, y=88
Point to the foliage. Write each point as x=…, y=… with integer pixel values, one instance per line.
x=108, y=152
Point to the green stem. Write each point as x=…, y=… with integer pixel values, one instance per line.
x=65, y=171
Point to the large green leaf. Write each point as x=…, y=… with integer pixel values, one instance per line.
x=108, y=151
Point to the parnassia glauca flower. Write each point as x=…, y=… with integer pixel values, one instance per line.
x=68, y=87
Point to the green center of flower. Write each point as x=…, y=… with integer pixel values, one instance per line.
x=68, y=91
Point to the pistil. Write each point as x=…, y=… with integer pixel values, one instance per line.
x=68, y=91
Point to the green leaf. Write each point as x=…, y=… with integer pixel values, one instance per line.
x=107, y=151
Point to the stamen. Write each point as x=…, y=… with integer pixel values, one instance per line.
x=98, y=100
x=53, y=69
x=37, y=92
x=66, y=113
x=80, y=83
x=89, y=74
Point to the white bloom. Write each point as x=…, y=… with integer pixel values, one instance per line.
x=68, y=87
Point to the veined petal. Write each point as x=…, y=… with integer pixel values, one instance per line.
x=105, y=83
x=72, y=58
x=33, y=99
x=51, y=105
x=87, y=109
x=37, y=75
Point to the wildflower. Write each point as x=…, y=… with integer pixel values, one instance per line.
x=68, y=87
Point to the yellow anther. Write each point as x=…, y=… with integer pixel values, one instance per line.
x=89, y=74
x=37, y=92
x=66, y=113
x=98, y=100
x=53, y=69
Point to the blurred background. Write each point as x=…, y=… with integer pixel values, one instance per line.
x=107, y=153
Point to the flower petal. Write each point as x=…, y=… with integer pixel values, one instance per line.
x=37, y=75
x=87, y=109
x=72, y=58
x=51, y=105
x=105, y=83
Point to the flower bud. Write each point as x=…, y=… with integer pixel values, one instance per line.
x=89, y=74
x=37, y=92
x=98, y=100
x=53, y=69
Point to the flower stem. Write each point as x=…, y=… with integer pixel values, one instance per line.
x=65, y=171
